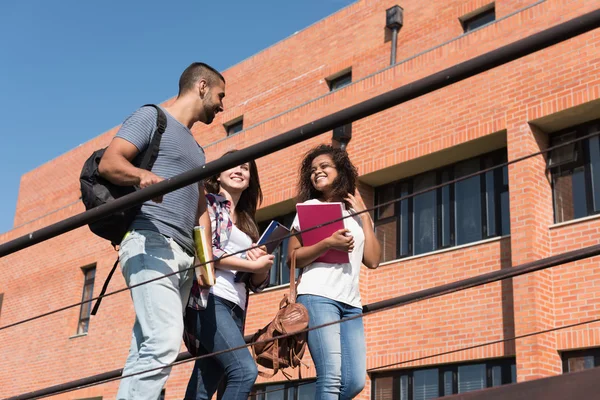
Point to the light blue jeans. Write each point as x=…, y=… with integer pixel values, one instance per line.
x=338, y=351
x=158, y=328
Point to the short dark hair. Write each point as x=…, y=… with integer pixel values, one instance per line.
x=195, y=72
x=344, y=184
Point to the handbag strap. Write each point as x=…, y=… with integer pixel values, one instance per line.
x=293, y=282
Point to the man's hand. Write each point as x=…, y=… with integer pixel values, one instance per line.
x=148, y=178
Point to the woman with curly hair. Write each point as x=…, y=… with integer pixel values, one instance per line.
x=330, y=292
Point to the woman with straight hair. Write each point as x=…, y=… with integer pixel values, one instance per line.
x=217, y=323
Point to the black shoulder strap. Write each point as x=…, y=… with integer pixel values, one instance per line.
x=101, y=295
x=147, y=162
x=152, y=151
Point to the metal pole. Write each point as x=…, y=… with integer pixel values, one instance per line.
x=394, y=45
x=409, y=298
x=457, y=73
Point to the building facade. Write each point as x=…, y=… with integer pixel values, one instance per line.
x=508, y=216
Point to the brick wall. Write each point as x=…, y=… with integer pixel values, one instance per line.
x=283, y=87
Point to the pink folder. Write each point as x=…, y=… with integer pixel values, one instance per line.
x=311, y=215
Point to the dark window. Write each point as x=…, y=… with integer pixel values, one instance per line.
x=162, y=395
x=575, y=170
x=579, y=360
x=1, y=299
x=294, y=390
x=235, y=126
x=341, y=132
x=464, y=212
x=480, y=19
x=88, y=289
x=340, y=81
x=280, y=272
x=434, y=382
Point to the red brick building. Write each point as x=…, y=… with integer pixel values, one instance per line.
x=527, y=211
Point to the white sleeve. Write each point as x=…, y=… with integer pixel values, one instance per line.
x=296, y=223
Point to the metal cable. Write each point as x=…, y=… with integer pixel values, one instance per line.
x=441, y=79
x=176, y=363
x=385, y=204
x=455, y=351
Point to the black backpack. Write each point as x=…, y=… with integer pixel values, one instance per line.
x=96, y=191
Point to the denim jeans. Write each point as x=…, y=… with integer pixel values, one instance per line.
x=159, y=306
x=338, y=350
x=219, y=327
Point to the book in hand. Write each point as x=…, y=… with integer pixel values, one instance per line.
x=271, y=239
x=205, y=271
x=275, y=233
x=311, y=215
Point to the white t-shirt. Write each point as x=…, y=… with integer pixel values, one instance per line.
x=225, y=285
x=336, y=281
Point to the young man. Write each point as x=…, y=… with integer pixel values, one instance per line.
x=160, y=239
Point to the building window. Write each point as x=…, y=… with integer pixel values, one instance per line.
x=463, y=212
x=162, y=394
x=280, y=272
x=294, y=390
x=575, y=171
x=433, y=382
x=235, y=126
x=340, y=80
x=88, y=289
x=579, y=360
x=478, y=18
x=1, y=299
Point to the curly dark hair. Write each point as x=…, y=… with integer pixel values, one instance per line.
x=246, y=207
x=344, y=183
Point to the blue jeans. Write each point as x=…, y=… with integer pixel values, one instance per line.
x=338, y=350
x=219, y=327
x=159, y=306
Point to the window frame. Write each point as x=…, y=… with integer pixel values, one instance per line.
x=592, y=352
x=486, y=160
x=581, y=159
x=476, y=16
x=340, y=80
x=280, y=261
x=505, y=363
x=233, y=124
x=287, y=385
x=86, y=282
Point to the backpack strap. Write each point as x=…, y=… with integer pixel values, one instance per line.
x=148, y=160
x=151, y=152
x=104, y=287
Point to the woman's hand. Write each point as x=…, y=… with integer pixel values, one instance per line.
x=356, y=202
x=261, y=261
x=263, y=264
x=254, y=254
x=341, y=240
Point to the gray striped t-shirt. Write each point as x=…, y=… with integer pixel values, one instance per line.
x=176, y=216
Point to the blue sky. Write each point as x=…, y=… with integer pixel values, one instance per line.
x=72, y=69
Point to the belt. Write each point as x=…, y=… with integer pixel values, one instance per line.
x=186, y=251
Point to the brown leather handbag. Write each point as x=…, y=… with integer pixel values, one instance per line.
x=278, y=354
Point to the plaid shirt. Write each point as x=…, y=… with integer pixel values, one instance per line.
x=221, y=225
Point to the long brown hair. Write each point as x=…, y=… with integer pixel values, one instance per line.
x=245, y=209
x=344, y=183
